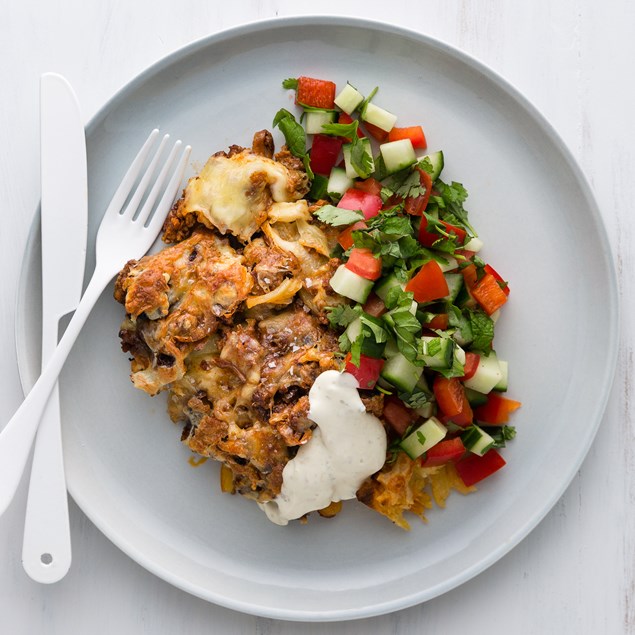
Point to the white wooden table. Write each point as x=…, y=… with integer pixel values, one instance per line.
x=575, y=574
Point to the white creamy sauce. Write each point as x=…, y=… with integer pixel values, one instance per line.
x=347, y=446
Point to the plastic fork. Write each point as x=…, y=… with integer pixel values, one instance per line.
x=127, y=231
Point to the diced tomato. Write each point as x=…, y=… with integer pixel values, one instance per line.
x=369, y=204
x=374, y=305
x=376, y=132
x=414, y=133
x=427, y=239
x=345, y=119
x=416, y=205
x=324, y=153
x=472, y=361
x=367, y=373
x=452, y=401
x=428, y=283
x=502, y=283
x=474, y=468
x=443, y=452
x=496, y=410
x=398, y=416
x=440, y=322
x=318, y=93
x=371, y=185
x=488, y=294
x=364, y=263
x=345, y=239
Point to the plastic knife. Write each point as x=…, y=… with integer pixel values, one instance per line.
x=46, y=550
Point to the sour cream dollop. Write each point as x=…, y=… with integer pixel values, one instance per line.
x=347, y=446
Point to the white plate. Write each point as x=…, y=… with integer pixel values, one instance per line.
x=542, y=230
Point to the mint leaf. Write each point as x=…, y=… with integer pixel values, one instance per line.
x=337, y=216
x=482, y=327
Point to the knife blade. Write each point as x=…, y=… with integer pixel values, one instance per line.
x=46, y=550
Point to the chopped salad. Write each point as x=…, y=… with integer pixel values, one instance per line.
x=420, y=324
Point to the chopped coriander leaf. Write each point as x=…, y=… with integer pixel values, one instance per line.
x=362, y=107
x=374, y=326
x=452, y=198
x=337, y=216
x=342, y=314
x=291, y=83
x=361, y=160
x=416, y=399
x=294, y=136
x=426, y=165
x=500, y=434
x=348, y=130
x=319, y=188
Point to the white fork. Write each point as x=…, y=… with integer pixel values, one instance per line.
x=125, y=233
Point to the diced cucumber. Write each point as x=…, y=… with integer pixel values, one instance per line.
x=379, y=117
x=427, y=435
x=501, y=386
x=427, y=410
x=348, y=99
x=450, y=263
x=338, y=182
x=474, y=244
x=438, y=352
x=436, y=161
x=353, y=172
x=397, y=155
x=351, y=285
x=315, y=119
x=386, y=284
x=476, y=440
x=391, y=348
x=401, y=373
x=475, y=398
x=455, y=284
x=487, y=375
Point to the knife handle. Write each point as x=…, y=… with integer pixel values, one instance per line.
x=46, y=550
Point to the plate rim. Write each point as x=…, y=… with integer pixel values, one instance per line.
x=582, y=183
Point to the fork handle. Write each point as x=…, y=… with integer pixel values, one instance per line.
x=17, y=436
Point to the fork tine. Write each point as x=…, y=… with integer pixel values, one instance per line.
x=140, y=191
x=171, y=189
x=128, y=181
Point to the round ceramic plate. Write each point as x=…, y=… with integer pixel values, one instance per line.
x=542, y=230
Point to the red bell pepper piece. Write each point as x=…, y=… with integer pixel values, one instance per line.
x=488, y=294
x=367, y=373
x=417, y=205
x=496, y=410
x=443, y=452
x=428, y=283
x=345, y=239
x=397, y=415
x=439, y=322
x=474, y=468
x=374, y=305
x=324, y=153
x=470, y=275
x=452, y=400
x=414, y=133
x=502, y=283
x=472, y=361
x=318, y=93
x=369, y=204
x=427, y=239
x=376, y=132
x=364, y=263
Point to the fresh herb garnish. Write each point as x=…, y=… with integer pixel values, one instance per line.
x=337, y=216
x=294, y=136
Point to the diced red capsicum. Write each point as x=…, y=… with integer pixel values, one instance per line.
x=324, y=153
x=472, y=361
x=427, y=238
x=356, y=199
x=502, y=283
x=318, y=93
x=345, y=239
x=414, y=133
x=417, y=205
x=364, y=263
x=428, y=283
x=397, y=415
x=443, y=452
x=367, y=373
x=488, y=294
x=376, y=132
x=452, y=400
x=439, y=322
x=496, y=410
x=474, y=468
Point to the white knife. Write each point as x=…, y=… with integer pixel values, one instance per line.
x=46, y=551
